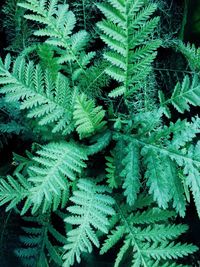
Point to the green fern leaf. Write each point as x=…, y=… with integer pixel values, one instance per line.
x=59, y=24
x=47, y=185
x=183, y=94
x=90, y=212
x=37, y=247
x=168, y=251
x=13, y=191
x=54, y=164
x=36, y=91
x=126, y=27
x=131, y=172
x=167, y=151
x=191, y=53
x=149, y=237
x=88, y=118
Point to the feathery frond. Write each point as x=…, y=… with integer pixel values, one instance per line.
x=90, y=212
x=125, y=31
x=148, y=236
x=45, y=100
x=88, y=118
x=184, y=94
x=37, y=245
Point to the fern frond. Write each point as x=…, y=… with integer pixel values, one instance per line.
x=47, y=184
x=113, y=238
x=37, y=244
x=90, y=212
x=14, y=190
x=48, y=60
x=125, y=31
x=88, y=118
x=186, y=93
x=149, y=243
x=111, y=172
x=165, y=152
x=18, y=31
x=131, y=172
x=59, y=24
x=168, y=251
x=191, y=171
x=102, y=141
x=157, y=177
x=85, y=12
x=161, y=232
x=54, y=164
x=96, y=81
x=36, y=92
x=191, y=53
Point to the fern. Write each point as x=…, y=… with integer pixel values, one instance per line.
x=82, y=107
x=183, y=94
x=163, y=159
x=13, y=122
x=88, y=118
x=148, y=235
x=125, y=29
x=47, y=185
x=18, y=31
x=48, y=60
x=131, y=172
x=102, y=140
x=191, y=53
x=90, y=212
x=59, y=24
x=111, y=172
x=13, y=191
x=96, y=80
x=38, y=246
x=46, y=100
x=85, y=12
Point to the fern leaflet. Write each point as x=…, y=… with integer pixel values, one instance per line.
x=125, y=29
x=92, y=206
x=88, y=118
x=183, y=94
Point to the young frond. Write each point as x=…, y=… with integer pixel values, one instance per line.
x=90, y=212
x=184, y=94
x=126, y=31
x=47, y=101
x=88, y=118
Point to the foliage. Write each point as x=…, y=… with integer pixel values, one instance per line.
x=126, y=27
x=18, y=31
x=108, y=155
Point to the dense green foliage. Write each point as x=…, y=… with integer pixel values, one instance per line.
x=110, y=156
